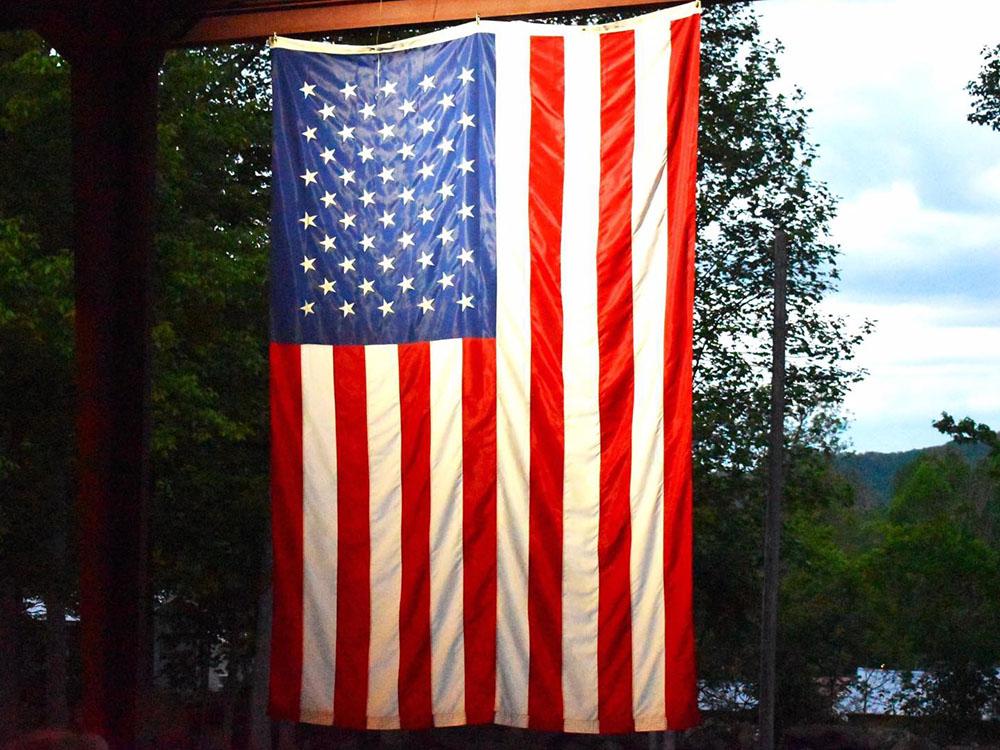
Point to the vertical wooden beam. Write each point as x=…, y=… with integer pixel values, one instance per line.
x=775, y=488
x=113, y=84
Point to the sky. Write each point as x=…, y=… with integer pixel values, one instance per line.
x=919, y=215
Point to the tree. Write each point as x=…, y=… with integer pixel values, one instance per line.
x=210, y=439
x=36, y=338
x=933, y=582
x=754, y=177
x=985, y=90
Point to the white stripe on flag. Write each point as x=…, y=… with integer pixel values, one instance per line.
x=447, y=623
x=385, y=502
x=513, y=128
x=649, y=279
x=319, y=535
x=581, y=368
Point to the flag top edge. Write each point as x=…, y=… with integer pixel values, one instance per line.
x=450, y=33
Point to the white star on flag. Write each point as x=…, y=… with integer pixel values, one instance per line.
x=466, y=302
x=307, y=89
x=347, y=308
x=307, y=308
x=445, y=146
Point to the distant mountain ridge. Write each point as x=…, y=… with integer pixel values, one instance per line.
x=873, y=474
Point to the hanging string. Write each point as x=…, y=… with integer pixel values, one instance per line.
x=378, y=55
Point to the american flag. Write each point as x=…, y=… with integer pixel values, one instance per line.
x=481, y=307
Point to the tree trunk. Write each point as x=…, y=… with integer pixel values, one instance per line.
x=11, y=611
x=56, y=703
x=230, y=690
x=260, y=722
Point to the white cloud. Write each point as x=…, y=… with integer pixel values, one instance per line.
x=919, y=223
x=921, y=365
x=891, y=224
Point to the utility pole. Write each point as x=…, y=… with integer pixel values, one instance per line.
x=775, y=490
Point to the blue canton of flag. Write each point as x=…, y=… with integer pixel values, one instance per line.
x=383, y=221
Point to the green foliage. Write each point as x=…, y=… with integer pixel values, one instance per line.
x=210, y=332
x=932, y=584
x=985, y=90
x=36, y=313
x=754, y=177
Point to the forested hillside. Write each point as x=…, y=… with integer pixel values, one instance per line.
x=873, y=475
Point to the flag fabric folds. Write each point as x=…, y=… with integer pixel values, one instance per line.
x=481, y=307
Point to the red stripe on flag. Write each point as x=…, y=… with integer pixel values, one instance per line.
x=682, y=142
x=286, y=530
x=545, y=205
x=350, y=696
x=415, y=704
x=479, y=522
x=614, y=316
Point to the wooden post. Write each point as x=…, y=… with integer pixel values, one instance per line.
x=775, y=487
x=113, y=87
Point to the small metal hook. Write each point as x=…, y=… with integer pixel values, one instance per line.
x=273, y=39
